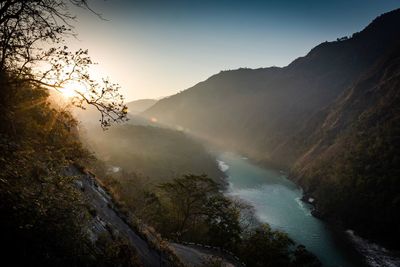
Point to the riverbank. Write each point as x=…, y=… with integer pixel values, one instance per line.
x=358, y=251
x=277, y=201
x=371, y=253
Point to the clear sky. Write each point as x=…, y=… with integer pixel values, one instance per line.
x=155, y=48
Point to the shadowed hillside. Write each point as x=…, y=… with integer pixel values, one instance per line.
x=258, y=111
x=352, y=165
x=331, y=117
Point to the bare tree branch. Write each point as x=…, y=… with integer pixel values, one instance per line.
x=25, y=25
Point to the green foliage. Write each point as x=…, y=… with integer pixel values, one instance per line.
x=43, y=215
x=223, y=222
x=263, y=246
x=192, y=209
x=116, y=252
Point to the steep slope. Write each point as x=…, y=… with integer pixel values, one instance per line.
x=140, y=105
x=352, y=165
x=258, y=111
x=44, y=218
x=108, y=220
x=157, y=153
x=150, y=248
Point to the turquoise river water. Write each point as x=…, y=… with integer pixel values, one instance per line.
x=277, y=201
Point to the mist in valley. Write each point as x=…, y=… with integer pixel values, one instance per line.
x=208, y=134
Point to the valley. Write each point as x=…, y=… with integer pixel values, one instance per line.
x=329, y=118
x=271, y=161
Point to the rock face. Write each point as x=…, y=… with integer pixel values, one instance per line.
x=331, y=117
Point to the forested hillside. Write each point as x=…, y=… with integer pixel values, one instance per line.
x=45, y=219
x=352, y=163
x=94, y=190
x=156, y=153
x=330, y=117
x=260, y=112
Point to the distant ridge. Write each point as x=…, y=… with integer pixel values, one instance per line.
x=140, y=105
x=302, y=117
x=258, y=111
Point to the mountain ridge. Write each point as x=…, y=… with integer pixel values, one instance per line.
x=353, y=161
x=290, y=117
x=259, y=98
x=140, y=105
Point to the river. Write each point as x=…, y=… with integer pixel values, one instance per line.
x=277, y=201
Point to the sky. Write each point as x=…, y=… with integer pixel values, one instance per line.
x=156, y=48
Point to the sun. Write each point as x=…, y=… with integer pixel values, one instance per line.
x=68, y=92
x=72, y=89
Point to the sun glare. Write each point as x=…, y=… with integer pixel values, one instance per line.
x=71, y=90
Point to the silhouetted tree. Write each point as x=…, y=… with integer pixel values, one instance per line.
x=32, y=49
x=264, y=247
x=188, y=196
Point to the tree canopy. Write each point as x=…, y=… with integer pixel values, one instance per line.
x=33, y=48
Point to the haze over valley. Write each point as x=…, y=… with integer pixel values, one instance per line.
x=256, y=165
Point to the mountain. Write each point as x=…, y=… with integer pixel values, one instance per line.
x=330, y=117
x=352, y=163
x=259, y=112
x=140, y=105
